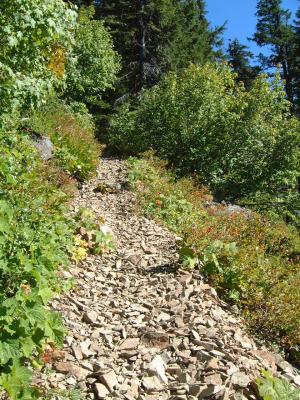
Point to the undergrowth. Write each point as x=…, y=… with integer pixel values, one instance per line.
x=273, y=388
x=37, y=240
x=243, y=144
x=72, y=131
x=251, y=260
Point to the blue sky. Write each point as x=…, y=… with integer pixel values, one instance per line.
x=240, y=16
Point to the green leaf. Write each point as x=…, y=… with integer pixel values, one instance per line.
x=27, y=346
x=36, y=315
x=271, y=388
x=46, y=295
x=17, y=382
x=8, y=351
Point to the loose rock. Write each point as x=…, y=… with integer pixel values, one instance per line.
x=140, y=328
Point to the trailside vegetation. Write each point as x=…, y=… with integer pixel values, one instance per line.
x=94, y=65
x=72, y=131
x=233, y=131
x=43, y=45
x=252, y=260
x=241, y=143
x=35, y=240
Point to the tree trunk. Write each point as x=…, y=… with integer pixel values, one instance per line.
x=142, y=44
x=287, y=78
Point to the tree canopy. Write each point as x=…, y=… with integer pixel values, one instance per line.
x=239, y=57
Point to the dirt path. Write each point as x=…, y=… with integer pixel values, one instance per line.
x=139, y=329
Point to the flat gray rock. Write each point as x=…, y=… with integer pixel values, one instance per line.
x=44, y=146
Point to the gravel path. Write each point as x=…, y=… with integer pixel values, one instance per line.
x=139, y=328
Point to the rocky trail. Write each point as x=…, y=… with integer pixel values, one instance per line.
x=139, y=327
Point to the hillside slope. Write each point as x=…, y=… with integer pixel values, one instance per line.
x=139, y=327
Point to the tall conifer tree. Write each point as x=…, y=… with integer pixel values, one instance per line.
x=155, y=36
x=240, y=57
x=274, y=29
x=192, y=39
x=296, y=61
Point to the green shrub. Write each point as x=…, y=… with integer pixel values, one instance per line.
x=251, y=260
x=36, y=38
x=272, y=388
x=95, y=64
x=35, y=240
x=239, y=142
x=71, y=129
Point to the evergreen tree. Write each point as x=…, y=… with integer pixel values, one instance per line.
x=125, y=19
x=296, y=60
x=192, y=39
x=273, y=29
x=155, y=36
x=240, y=57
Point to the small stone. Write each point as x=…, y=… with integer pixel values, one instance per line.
x=195, y=390
x=85, y=364
x=133, y=392
x=69, y=340
x=285, y=366
x=297, y=380
x=128, y=354
x=90, y=317
x=84, y=347
x=71, y=381
x=157, y=366
x=240, y=379
x=244, y=341
x=77, y=352
x=152, y=384
x=110, y=380
x=163, y=317
x=130, y=344
x=179, y=322
x=63, y=367
x=212, y=364
x=72, y=369
x=173, y=369
x=214, y=380
x=184, y=377
x=210, y=390
x=101, y=391
x=195, y=335
x=44, y=146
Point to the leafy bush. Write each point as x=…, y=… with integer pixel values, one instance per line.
x=71, y=129
x=272, y=388
x=239, y=142
x=95, y=64
x=35, y=240
x=251, y=260
x=36, y=37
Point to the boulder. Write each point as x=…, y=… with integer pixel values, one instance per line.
x=44, y=146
